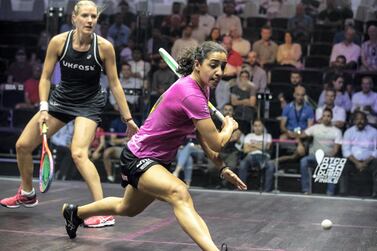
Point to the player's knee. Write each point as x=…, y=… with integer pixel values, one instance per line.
x=23, y=147
x=78, y=155
x=179, y=194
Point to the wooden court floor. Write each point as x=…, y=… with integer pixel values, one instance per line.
x=244, y=220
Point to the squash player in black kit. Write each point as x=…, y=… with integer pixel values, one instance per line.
x=82, y=56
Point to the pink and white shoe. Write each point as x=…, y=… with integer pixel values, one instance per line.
x=99, y=221
x=17, y=200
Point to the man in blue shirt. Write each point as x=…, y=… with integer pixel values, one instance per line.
x=360, y=149
x=296, y=117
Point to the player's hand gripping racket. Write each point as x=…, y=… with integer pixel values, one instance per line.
x=46, y=168
x=173, y=65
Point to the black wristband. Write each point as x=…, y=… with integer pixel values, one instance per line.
x=221, y=172
x=126, y=120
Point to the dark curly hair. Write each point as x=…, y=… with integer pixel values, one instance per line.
x=187, y=60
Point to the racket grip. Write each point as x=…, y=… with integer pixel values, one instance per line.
x=44, y=128
x=216, y=112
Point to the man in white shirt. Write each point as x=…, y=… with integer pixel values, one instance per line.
x=139, y=67
x=240, y=45
x=366, y=100
x=325, y=137
x=348, y=49
x=198, y=33
x=185, y=42
x=206, y=21
x=256, y=147
x=339, y=114
x=228, y=20
x=360, y=149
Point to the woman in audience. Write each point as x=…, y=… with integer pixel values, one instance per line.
x=215, y=35
x=289, y=53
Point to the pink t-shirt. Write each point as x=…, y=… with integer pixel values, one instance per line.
x=171, y=121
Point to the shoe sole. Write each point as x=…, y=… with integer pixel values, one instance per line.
x=22, y=204
x=105, y=224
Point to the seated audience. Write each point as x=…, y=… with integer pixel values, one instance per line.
x=233, y=66
x=342, y=99
x=240, y=45
x=301, y=25
x=206, y=21
x=265, y=48
x=228, y=20
x=243, y=99
x=366, y=100
x=258, y=76
x=215, y=35
x=257, y=145
x=289, y=53
x=348, y=49
x=338, y=113
x=20, y=70
x=359, y=147
x=325, y=137
x=183, y=43
x=369, y=51
x=31, y=90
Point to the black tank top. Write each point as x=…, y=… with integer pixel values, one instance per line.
x=80, y=71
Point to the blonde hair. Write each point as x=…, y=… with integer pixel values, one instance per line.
x=80, y=3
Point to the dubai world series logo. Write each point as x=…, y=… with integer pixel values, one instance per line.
x=329, y=169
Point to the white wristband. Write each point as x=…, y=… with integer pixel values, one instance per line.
x=43, y=106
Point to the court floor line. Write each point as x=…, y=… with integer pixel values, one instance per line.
x=96, y=237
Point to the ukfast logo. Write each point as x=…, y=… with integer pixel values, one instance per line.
x=79, y=66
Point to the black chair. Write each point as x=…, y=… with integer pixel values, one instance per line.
x=256, y=22
x=320, y=49
x=278, y=35
x=280, y=75
x=312, y=76
x=323, y=36
x=318, y=62
x=280, y=23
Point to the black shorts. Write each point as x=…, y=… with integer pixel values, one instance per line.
x=66, y=118
x=132, y=167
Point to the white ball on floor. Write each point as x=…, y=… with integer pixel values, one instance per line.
x=326, y=224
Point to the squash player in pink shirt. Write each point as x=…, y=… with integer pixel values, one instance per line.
x=180, y=111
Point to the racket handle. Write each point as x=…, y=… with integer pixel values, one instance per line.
x=44, y=128
x=216, y=112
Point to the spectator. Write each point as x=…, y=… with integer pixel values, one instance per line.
x=348, y=49
x=198, y=33
x=174, y=30
x=258, y=75
x=265, y=48
x=359, y=147
x=286, y=96
x=257, y=145
x=175, y=18
x=296, y=117
x=340, y=36
x=162, y=79
x=338, y=113
x=206, y=21
x=301, y=25
x=228, y=20
x=234, y=60
x=61, y=144
x=20, y=70
x=215, y=35
x=289, y=53
x=271, y=7
x=230, y=154
x=366, y=100
x=140, y=69
x=334, y=14
x=131, y=86
x=129, y=18
x=185, y=160
x=119, y=32
x=326, y=137
x=183, y=43
x=154, y=43
x=342, y=99
x=126, y=52
x=222, y=94
x=240, y=45
x=369, y=50
x=31, y=90
x=243, y=99
x=116, y=145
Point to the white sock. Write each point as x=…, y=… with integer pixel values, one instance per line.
x=28, y=194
